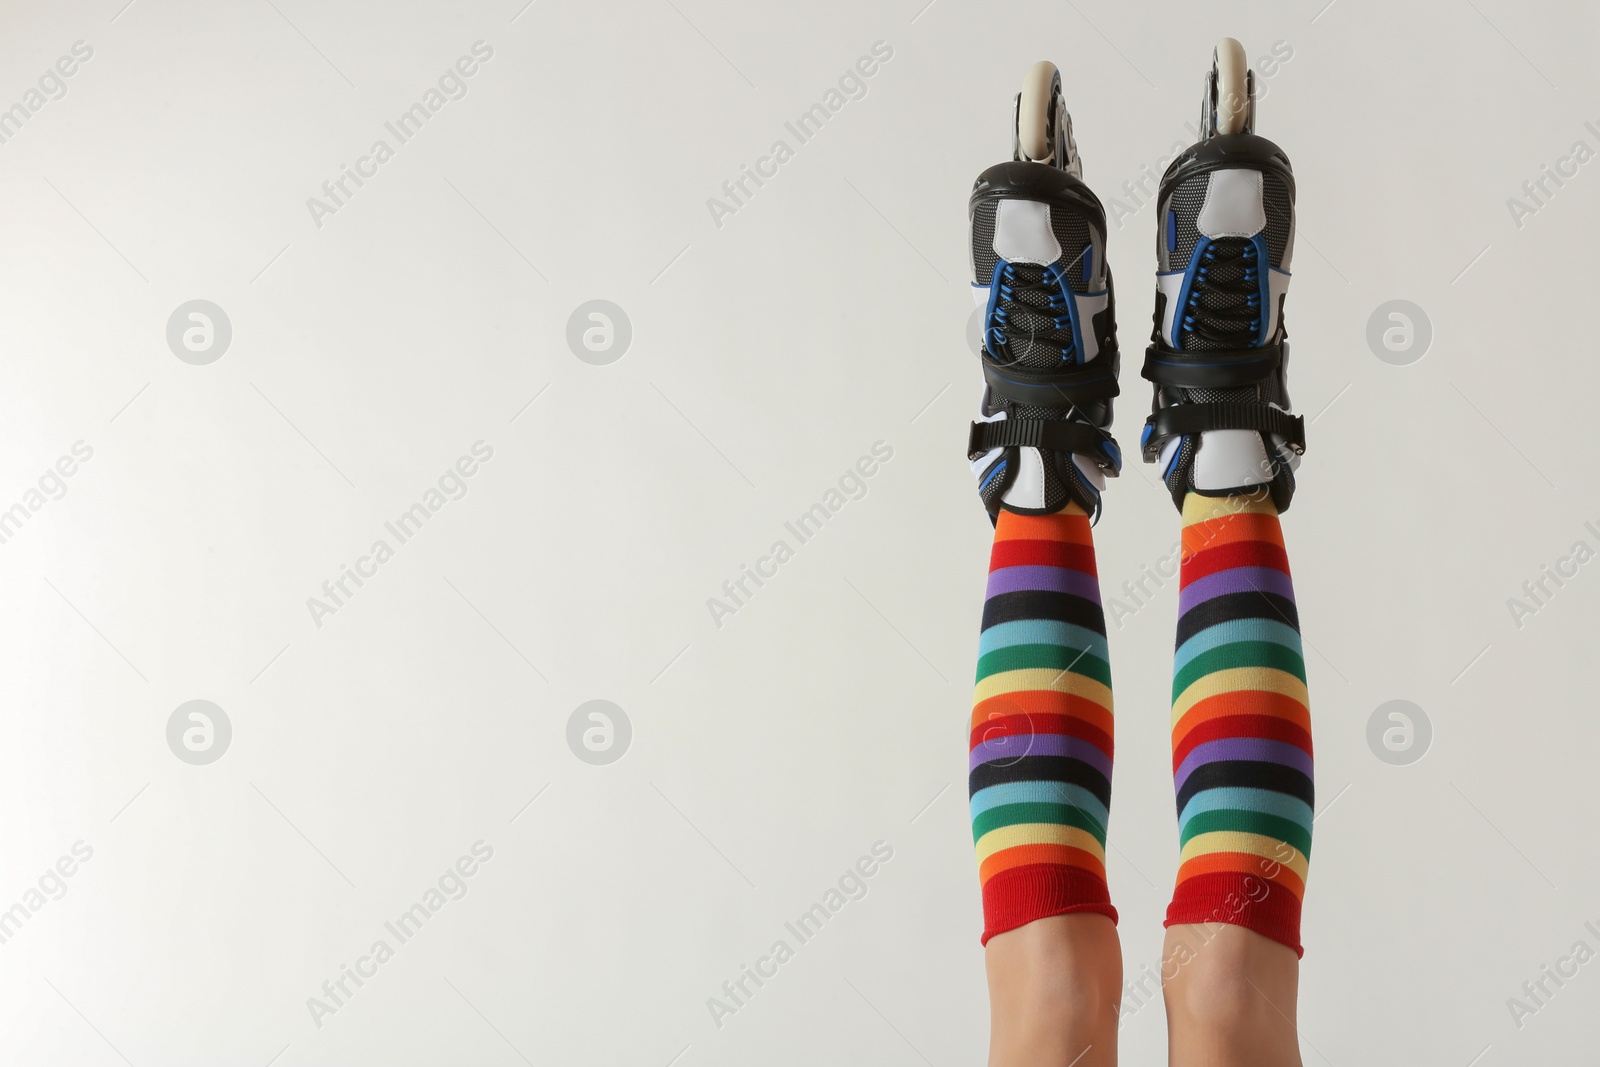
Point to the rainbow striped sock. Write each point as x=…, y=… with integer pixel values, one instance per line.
x=1040, y=762
x=1241, y=724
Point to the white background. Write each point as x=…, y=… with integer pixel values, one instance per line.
x=768, y=354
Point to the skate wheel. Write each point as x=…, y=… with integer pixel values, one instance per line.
x=1232, y=87
x=1035, y=113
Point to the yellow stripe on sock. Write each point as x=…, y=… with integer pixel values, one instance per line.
x=1197, y=508
x=1239, y=680
x=1269, y=849
x=1045, y=678
x=1038, y=833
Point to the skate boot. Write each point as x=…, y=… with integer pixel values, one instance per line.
x=1049, y=351
x=1221, y=423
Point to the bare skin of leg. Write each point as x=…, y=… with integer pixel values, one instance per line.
x=1054, y=987
x=1230, y=997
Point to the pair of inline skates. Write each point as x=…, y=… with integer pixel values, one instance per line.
x=1221, y=421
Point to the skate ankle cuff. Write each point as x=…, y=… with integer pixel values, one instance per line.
x=1073, y=386
x=1212, y=370
x=1176, y=419
x=1059, y=435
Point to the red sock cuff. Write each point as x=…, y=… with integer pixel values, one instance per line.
x=1229, y=897
x=1018, y=896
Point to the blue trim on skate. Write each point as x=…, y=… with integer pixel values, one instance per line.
x=1113, y=452
x=1172, y=230
x=1264, y=290
x=1144, y=441
x=1180, y=309
x=1172, y=464
x=994, y=298
x=994, y=472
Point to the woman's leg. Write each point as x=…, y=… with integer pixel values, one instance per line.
x=1241, y=757
x=1040, y=786
x=1230, y=996
x=1053, y=992
x=1223, y=431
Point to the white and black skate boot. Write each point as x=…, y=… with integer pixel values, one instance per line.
x=1221, y=422
x=1049, y=340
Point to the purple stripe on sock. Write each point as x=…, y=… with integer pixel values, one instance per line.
x=1254, y=749
x=1044, y=579
x=1011, y=749
x=1236, y=580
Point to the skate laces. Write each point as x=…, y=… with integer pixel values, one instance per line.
x=1224, y=306
x=1031, y=322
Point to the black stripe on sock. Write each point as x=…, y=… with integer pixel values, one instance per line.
x=1041, y=769
x=1233, y=606
x=1043, y=604
x=1247, y=774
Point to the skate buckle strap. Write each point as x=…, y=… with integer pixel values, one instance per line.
x=1075, y=384
x=1213, y=370
x=1059, y=435
x=1222, y=415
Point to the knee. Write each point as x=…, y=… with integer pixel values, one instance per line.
x=1229, y=975
x=1058, y=968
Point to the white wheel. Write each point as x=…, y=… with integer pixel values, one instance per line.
x=1034, y=113
x=1233, y=87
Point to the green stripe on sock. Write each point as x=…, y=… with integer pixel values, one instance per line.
x=1239, y=654
x=1045, y=657
x=1250, y=822
x=1037, y=812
